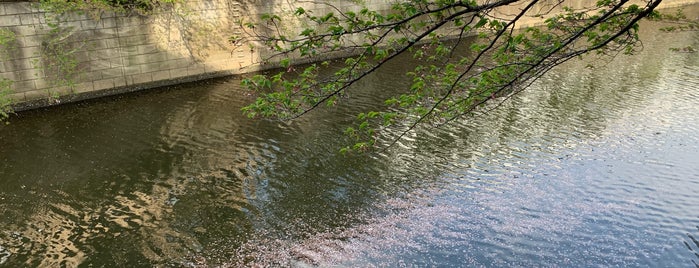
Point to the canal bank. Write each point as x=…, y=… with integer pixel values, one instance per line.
x=590, y=167
x=100, y=54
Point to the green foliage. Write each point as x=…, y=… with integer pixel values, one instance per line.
x=677, y=22
x=95, y=7
x=58, y=62
x=5, y=101
x=445, y=85
x=7, y=45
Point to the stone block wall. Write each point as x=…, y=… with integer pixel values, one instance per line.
x=115, y=53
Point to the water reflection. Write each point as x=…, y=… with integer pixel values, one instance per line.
x=693, y=246
x=595, y=164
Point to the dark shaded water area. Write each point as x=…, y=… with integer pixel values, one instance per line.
x=591, y=167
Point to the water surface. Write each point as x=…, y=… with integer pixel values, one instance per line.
x=590, y=167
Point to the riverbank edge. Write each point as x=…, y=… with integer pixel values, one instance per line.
x=114, y=91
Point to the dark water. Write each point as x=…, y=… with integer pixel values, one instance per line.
x=592, y=167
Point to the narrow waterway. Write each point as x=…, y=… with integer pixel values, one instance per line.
x=591, y=167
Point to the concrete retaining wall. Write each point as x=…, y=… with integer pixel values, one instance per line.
x=120, y=53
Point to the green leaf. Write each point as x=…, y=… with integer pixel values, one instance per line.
x=481, y=23
x=285, y=62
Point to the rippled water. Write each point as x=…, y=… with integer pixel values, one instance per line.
x=591, y=167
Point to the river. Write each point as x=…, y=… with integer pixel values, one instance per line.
x=591, y=167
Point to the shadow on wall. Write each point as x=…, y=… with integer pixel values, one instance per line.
x=71, y=56
x=58, y=55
